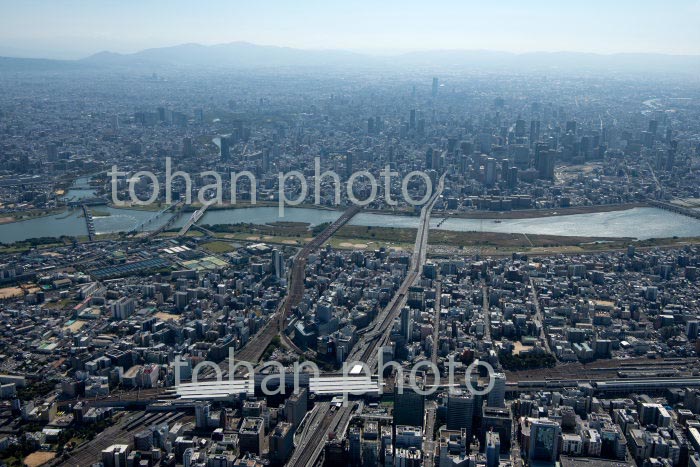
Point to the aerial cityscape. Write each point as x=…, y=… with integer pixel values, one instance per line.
x=318, y=253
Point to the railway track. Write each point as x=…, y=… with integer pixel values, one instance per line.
x=310, y=447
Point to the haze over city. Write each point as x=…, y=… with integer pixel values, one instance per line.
x=324, y=233
x=75, y=29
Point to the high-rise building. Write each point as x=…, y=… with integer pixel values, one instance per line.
x=492, y=449
x=452, y=447
x=534, y=131
x=436, y=85
x=409, y=437
x=406, y=323
x=278, y=263
x=355, y=446
x=250, y=436
x=370, y=444
x=460, y=412
x=490, y=172
x=409, y=406
x=412, y=119
x=225, y=148
x=432, y=159
x=545, y=164
x=544, y=440
x=202, y=412
x=115, y=455
x=123, y=308
x=295, y=407
x=497, y=396
x=281, y=443
x=497, y=419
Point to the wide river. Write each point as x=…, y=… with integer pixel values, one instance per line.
x=640, y=223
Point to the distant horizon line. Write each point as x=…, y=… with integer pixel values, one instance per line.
x=379, y=53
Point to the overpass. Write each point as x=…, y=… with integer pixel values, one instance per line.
x=322, y=385
x=310, y=446
x=254, y=349
x=194, y=218
x=141, y=225
x=89, y=222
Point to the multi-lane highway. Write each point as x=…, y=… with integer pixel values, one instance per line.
x=538, y=314
x=255, y=347
x=378, y=335
x=312, y=443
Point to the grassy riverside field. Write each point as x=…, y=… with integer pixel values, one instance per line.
x=441, y=241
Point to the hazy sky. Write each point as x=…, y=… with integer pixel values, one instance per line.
x=74, y=29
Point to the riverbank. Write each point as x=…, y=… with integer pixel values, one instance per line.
x=522, y=213
x=441, y=243
x=493, y=215
x=31, y=214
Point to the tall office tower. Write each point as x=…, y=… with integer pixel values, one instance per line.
x=539, y=149
x=429, y=159
x=437, y=160
x=499, y=420
x=460, y=412
x=512, y=177
x=691, y=329
x=571, y=126
x=497, y=396
x=534, y=131
x=406, y=323
x=199, y=115
x=295, y=407
x=348, y=164
x=435, y=87
x=412, y=119
x=520, y=128
x=250, y=435
x=370, y=444
x=544, y=440
x=490, y=172
x=187, y=147
x=278, y=263
x=355, y=446
x=202, y=412
x=370, y=126
x=545, y=165
x=266, y=158
x=281, y=443
x=492, y=449
x=409, y=407
x=225, y=148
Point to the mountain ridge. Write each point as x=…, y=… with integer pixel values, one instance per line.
x=245, y=55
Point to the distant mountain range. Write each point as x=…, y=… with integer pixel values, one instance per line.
x=243, y=55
